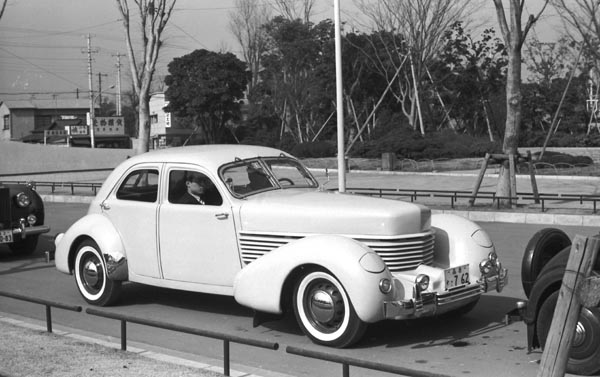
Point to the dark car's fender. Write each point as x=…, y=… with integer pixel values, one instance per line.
x=548, y=281
x=542, y=247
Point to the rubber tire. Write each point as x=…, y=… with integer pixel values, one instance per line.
x=544, y=245
x=104, y=292
x=347, y=332
x=24, y=247
x=585, y=358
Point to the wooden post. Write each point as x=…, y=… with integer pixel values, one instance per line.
x=534, y=187
x=568, y=307
x=479, y=179
x=513, y=179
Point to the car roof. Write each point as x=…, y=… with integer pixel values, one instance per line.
x=211, y=156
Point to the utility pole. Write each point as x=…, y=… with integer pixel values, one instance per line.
x=100, y=89
x=90, y=83
x=119, y=83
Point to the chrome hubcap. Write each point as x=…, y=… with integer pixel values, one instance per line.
x=579, y=336
x=90, y=273
x=322, y=307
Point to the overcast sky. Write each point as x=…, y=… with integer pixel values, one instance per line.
x=43, y=42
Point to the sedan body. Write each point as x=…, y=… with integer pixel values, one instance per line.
x=253, y=223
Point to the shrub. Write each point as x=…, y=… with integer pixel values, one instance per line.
x=315, y=149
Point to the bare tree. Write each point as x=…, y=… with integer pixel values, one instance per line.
x=154, y=15
x=514, y=36
x=582, y=23
x=420, y=25
x=245, y=22
x=3, y=7
x=295, y=9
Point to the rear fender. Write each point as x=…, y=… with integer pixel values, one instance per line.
x=102, y=231
x=260, y=284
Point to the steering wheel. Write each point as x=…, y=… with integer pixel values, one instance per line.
x=286, y=180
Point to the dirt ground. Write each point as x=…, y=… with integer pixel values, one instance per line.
x=30, y=352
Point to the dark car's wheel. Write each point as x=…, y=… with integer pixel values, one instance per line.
x=91, y=278
x=24, y=246
x=544, y=245
x=584, y=357
x=324, y=311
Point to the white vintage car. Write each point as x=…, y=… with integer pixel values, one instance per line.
x=261, y=229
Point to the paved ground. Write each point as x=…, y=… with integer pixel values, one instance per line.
x=138, y=361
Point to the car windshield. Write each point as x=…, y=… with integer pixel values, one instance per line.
x=247, y=177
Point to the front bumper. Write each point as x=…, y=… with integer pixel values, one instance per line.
x=428, y=304
x=24, y=231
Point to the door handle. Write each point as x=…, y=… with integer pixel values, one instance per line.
x=222, y=216
x=104, y=206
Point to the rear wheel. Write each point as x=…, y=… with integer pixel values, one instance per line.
x=324, y=311
x=584, y=357
x=24, y=246
x=91, y=277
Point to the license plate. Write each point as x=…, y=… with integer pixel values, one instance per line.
x=6, y=236
x=457, y=276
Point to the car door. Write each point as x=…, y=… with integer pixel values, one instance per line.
x=132, y=208
x=197, y=241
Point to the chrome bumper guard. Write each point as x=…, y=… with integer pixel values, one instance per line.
x=25, y=231
x=428, y=302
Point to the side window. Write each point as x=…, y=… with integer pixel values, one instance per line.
x=192, y=187
x=140, y=186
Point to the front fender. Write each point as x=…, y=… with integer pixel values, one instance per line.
x=102, y=231
x=260, y=284
x=460, y=241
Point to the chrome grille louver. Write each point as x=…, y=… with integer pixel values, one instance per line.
x=400, y=253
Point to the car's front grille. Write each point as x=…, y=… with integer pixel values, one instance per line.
x=401, y=253
x=5, y=210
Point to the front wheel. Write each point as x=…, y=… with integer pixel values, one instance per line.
x=584, y=356
x=91, y=277
x=324, y=311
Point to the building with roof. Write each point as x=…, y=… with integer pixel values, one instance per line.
x=166, y=130
x=65, y=120
x=20, y=118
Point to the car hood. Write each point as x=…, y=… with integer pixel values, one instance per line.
x=317, y=212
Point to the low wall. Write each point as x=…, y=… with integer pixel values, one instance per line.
x=593, y=153
x=16, y=157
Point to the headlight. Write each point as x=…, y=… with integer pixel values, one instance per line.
x=422, y=282
x=31, y=219
x=23, y=200
x=485, y=266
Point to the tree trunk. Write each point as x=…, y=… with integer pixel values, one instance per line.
x=513, y=121
x=144, y=124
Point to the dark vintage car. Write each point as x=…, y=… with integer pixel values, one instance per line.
x=542, y=271
x=21, y=217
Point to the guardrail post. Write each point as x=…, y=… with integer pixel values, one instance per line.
x=226, y=357
x=123, y=335
x=345, y=370
x=48, y=318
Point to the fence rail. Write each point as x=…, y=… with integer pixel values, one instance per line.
x=47, y=303
x=226, y=338
x=453, y=196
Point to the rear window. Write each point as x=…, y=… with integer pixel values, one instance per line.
x=140, y=186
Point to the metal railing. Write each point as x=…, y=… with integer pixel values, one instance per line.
x=226, y=338
x=349, y=361
x=455, y=195
x=47, y=303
